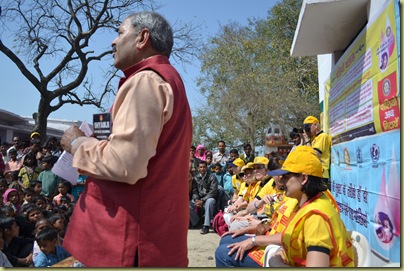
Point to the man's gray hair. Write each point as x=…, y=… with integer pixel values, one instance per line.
x=161, y=34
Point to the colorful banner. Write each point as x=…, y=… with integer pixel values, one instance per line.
x=362, y=94
x=365, y=181
x=362, y=109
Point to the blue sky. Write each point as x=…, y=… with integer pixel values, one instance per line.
x=20, y=97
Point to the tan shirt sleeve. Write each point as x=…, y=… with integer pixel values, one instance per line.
x=143, y=105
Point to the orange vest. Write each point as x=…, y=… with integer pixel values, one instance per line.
x=280, y=220
x=341, y=255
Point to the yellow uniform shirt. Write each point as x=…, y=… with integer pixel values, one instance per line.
x=236, y=183
x=322, y=143
x=270, y=189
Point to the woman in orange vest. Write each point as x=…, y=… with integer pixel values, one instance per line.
x=315, y=235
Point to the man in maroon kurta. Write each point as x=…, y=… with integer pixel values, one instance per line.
x=134, y=209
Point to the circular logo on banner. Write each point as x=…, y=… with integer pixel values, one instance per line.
x=374, y=153
x=386, y=87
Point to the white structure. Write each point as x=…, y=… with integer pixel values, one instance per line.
x=13, y=125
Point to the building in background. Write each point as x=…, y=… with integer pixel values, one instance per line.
x=357, y=43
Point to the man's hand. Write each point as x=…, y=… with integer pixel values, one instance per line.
x=70, y=134
x=198, y=203
x=241, y=248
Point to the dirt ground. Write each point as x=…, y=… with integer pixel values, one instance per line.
x=201, y=248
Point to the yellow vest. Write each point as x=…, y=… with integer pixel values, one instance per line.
x=293, y=237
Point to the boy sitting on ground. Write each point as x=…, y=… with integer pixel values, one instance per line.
x=51, y=253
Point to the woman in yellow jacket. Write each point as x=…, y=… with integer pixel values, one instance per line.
x=315, y=235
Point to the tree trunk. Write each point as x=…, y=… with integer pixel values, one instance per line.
x=41, y=118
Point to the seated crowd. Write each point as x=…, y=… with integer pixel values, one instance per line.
x=36, y=204
x=282, y=203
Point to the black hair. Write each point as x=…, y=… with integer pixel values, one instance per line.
x=247, y=145
x=39, y=197
x=202, y=162
x=275, y=162
x=65, y=198
x=28, y=190
x=3, y=181
x=217, y=164
x=5, y=209
x=52, y=219
x=221, y=141
x=48, y=159
x=32, y=208
x=40, y=221
x=46, y=234
x=6, y=222
x=235, y=151
x=313, y=186
x=30, y=155
x=34, y=183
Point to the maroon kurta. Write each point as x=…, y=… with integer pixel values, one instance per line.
x=112, y=221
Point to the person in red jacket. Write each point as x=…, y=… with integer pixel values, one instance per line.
x=133, y=210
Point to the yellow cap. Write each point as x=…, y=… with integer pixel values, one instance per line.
x=310, y=120
x=35, y=133
x=302, y=160
x=238, y=162
x=249, y=165
x=261, y=160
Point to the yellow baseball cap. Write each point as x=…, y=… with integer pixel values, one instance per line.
x=310, y=120
x=302, y=160
x=238, y=162
x=249, y=165
x=35, y=133
x=261, y=160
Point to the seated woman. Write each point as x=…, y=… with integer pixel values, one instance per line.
x=233, y=249
x=327, y=244
x=265, y=203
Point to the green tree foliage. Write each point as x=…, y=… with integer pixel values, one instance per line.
x=250, y=80
x=53, y=43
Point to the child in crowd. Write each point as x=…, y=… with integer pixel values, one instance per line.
x=50, y=208
x=4, y=262
x=37, y=187
x=59, y=223
x=49, y=179
x=62, y=188
x=17, y=249
x=8, y=176
x=29, y=172
x=51, y=253
x=40, y=225
x=28, y=195
x=40, y=201
x=12, y=198
x=3, y=186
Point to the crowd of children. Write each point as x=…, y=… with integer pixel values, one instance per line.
x=36, y=205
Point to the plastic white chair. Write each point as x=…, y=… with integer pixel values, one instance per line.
x=269, y=252
x=361, y=249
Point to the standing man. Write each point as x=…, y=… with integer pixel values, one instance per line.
x=320, y=142
x=134, y=210
x=16, y=146
x=248, y=155
x=221, y=156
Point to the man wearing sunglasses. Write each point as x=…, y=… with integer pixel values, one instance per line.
x=321, y=142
